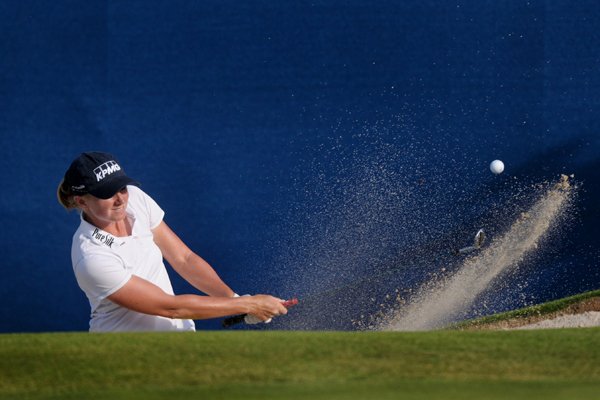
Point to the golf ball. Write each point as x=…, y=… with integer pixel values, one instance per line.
x=497, y=167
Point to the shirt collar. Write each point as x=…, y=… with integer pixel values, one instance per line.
x=99, y=236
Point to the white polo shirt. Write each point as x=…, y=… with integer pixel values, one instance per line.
x=104, y=263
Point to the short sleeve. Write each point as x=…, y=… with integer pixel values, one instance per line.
x=155, y=213
x=145, y=205
x=100, y=276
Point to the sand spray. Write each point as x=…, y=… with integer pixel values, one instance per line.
x=438, y=303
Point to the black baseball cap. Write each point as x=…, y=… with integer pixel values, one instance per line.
x=98, y=174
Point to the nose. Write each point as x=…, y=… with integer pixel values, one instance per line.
x=118, y=198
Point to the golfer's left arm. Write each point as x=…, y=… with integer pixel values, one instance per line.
x=188, y=264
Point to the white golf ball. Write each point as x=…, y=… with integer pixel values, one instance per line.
x=497, y=167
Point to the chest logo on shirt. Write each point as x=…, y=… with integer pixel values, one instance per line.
x=103, y=238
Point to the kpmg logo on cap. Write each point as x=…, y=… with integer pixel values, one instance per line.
x=106, y=169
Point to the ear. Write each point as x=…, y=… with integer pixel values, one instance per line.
x=80, y=202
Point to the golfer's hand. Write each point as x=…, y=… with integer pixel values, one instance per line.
x=264, y=308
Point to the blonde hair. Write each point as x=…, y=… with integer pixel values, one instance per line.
x=65, y=196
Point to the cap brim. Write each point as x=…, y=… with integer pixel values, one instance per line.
x=109, y=189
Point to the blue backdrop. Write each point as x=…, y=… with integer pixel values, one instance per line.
x=302, y=148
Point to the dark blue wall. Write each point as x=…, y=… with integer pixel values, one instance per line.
x=298, y=146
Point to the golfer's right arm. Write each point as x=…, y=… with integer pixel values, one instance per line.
x=143, y=296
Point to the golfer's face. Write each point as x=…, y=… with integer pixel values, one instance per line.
x=108, y=210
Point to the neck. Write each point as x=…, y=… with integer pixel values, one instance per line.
x=116, y=228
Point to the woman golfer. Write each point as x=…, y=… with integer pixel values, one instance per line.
x=118, y=252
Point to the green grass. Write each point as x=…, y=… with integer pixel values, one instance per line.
x=549, y=364
x=532, y=311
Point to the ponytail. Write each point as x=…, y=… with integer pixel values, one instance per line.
x=65, y=196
